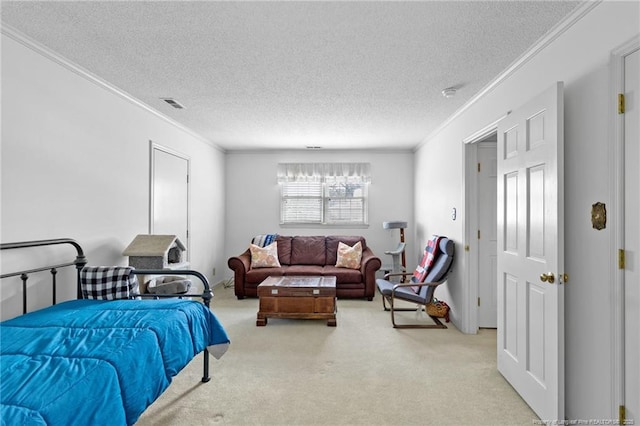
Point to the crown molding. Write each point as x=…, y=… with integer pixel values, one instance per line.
x=540, y=45
x=89, y=76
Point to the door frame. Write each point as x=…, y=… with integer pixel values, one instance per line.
x=470, y=222
x=153, y=146
x=616, y=179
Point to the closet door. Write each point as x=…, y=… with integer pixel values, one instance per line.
x=169, y=204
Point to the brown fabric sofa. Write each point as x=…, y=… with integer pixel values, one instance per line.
x=310, y=255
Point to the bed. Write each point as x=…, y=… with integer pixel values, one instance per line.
x=93, y=361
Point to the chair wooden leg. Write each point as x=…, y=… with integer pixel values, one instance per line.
x=388, y=299
x=384, y=306
x=393, y=318
x=436, y=320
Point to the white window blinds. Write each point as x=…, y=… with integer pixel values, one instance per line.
x=324, y=193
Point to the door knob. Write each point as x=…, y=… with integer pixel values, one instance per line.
x=549, y=278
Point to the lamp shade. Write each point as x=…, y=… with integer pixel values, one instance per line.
x=394, y=224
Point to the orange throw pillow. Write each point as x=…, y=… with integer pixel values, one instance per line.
x=264, y=257
x=349, y=257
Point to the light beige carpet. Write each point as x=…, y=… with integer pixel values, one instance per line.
x=362, y=372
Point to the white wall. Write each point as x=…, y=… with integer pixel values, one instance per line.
x=579, y=57
x=253, y=197
x=75, y=163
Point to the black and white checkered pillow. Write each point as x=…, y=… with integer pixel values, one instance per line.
x=108, y=282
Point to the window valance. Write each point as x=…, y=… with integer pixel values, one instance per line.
x=324, y=172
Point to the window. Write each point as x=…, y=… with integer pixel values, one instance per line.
x=324, y=193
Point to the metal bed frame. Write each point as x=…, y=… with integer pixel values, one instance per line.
x=80, y=262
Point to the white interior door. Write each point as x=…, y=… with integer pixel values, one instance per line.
x=531, y=243
x=632, y=237
x=487, y=230
x=169, y=194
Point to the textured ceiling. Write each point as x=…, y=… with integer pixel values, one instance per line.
x=286, y=75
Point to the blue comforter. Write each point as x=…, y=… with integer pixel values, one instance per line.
x=98, y=362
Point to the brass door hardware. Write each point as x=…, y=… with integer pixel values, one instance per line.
x=548, y=278
x=599, y=216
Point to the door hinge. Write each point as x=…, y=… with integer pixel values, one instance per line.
x=621, y=259
x=478, y=301
x=187, y=178
x=478, y=234
x=478, y=167
x=621, y=105
x=622, y=413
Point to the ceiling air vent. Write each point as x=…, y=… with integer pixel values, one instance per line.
x=173, y=103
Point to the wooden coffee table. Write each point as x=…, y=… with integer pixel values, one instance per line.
x=298, y=298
